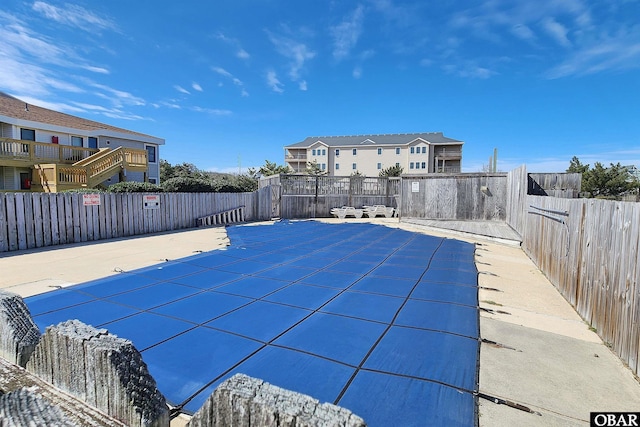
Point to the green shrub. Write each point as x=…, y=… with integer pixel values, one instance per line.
x=134, y=187
x=188, y=185
x=234, y=184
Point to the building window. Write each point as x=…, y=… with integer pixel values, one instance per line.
x=379, y=151
x=354, y=151
x=324, y=166
x=313, y=152
x=93, y=142
x=398, y=150
x=337, y=151
x=354, y=166
x=153, y=181
x=324, y=152
x=27, y=134
x=424, y=165
x=411, y=165
x=424, y=150
x=76, y=141
x=379, y=165
x=25, y=180
x=413, y=149
x=151, y=153
x=337, y=166
x=397, y=165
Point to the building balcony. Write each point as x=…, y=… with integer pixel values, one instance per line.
x=17, y=152
x=448, y=155
x=296, y=157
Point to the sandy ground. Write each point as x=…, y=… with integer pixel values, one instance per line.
x=547, y=359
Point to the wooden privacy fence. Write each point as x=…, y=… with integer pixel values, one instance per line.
x=31, y=220
x=454, y=197
x=308, y=196
x=588, y=249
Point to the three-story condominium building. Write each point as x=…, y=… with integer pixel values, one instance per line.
x=416, y=153
x=46, y=150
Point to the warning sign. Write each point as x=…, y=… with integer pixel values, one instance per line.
x=151, y=201
x=415, y=187
x=91, y=199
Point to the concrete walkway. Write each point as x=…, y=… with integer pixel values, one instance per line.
x=546, y=359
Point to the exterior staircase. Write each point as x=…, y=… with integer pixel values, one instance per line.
x=88, y=172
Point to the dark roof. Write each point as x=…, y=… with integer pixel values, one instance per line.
x=18, y=109
x=385, y=139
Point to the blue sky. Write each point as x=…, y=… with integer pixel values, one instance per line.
x=228, y=84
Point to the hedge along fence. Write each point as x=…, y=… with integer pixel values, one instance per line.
x=32, y=220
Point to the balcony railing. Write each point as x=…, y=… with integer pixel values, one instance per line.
x=448, y=154
x=31, y=152
x=296, y=157
x=448, y=169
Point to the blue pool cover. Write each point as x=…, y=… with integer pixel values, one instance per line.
x=378, y=320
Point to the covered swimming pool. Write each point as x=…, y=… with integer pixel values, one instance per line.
x=378, y=320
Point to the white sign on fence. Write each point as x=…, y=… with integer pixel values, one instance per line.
x=91, y=199
x=151, y=201
x=415, y=187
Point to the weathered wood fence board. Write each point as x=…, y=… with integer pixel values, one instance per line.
x=589, y=249
x=565, y=185
x=517, y=198
x=32, y=220
x=306, y=196
x=454, y=197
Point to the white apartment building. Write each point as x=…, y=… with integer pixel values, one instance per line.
x=417, y=153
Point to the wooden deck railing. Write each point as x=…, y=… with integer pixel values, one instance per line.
x=106, y=164
x=60, y=167
x=31, y=152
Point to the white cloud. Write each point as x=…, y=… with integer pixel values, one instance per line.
x=298, y=54
x=196, y=86
x=273, y=82
x=122, y=115
x=181, y=89
x=617, y=53
x=557, y=31
x=94, y=69
x=240, y=52
x=222, y=72
x=346, y=34
x=21, y=77
x=212, y=111
x=523, y=32
x=57, y=106
x=469, y=70
x=357, y=72
x=302, y=85
x=73, y=15
x=118, y=97
x=236, y=81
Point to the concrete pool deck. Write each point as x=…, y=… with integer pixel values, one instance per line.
x=549, y=360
